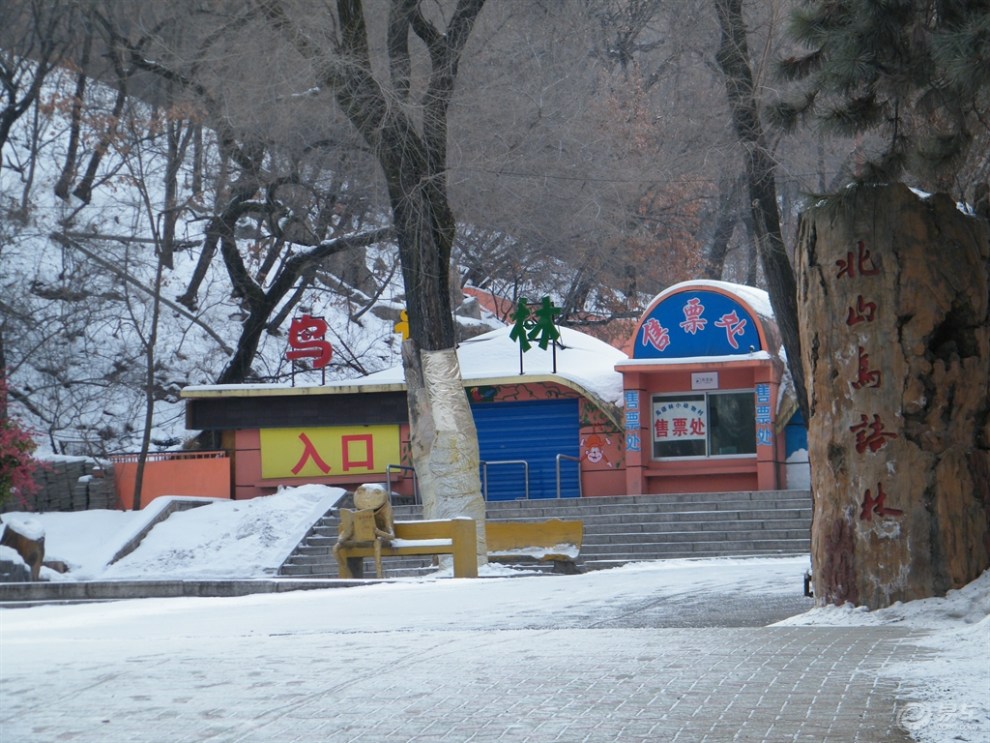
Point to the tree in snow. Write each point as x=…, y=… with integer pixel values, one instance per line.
x=408, y=138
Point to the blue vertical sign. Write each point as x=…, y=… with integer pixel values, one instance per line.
x=764, y=430
x=632, y=420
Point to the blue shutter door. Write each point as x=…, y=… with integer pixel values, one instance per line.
x=535, y=431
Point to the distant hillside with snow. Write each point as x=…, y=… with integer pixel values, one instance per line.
x=79, y=334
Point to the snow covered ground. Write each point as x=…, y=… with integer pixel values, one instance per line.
x=948, y=693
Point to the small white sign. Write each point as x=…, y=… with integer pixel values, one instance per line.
x=704, y=381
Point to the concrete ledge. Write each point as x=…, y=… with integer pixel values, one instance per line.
x=158, y=512
x=43, y=592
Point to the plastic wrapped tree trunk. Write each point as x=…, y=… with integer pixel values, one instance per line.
x=893, y=309
x=444, y=440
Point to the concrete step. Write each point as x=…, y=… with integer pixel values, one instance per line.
x=617, y=529
x=604, y=541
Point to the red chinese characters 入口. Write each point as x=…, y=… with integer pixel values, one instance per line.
x=357, y=451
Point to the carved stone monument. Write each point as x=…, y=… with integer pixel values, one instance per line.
x=893, y=310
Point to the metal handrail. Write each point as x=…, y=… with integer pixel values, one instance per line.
x=570, y=459
x=484, y=474
x=388, y=479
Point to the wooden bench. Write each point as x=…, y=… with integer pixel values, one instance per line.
x=551, y=540
x=457, y=537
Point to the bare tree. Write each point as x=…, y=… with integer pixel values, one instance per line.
x=35, y=35
x=733, y=57
x=408, y=138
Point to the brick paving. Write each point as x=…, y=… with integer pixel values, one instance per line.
x=483, y=685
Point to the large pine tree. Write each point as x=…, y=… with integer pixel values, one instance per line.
x=910, y=76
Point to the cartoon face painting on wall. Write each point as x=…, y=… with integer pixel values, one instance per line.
x=594, y=449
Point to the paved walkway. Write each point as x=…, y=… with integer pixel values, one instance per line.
x=628, y=677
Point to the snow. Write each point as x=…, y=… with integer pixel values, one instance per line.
x=538, y=553
x=952, y=687
x=9, y=554
x=247, y=539
x=581, y=359
x=757, y=299
x=694, y=360
x=222, y=539
x=798, y=470
x=422, y=542
x=27, y=527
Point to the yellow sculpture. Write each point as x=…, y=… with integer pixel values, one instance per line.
x=370, y=524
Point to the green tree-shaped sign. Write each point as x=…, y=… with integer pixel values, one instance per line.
x=544, y=328
x=520, y=325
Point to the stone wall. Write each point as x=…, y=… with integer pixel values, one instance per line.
x=70, y=484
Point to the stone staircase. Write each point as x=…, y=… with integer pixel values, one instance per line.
x=618, y=529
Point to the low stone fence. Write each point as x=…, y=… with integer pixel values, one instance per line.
x=70, y=484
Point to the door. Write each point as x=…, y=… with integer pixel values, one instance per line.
x=534, y=432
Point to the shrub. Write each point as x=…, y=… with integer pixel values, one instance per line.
x=17, y=466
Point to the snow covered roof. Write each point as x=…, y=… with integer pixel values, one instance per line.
x=584, y=364
x=710, y=326
x=757, y=299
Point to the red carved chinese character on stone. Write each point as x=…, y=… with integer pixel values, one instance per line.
x=863, y=312
x=866, y=377
x=876, y=505
x=863, y=263
x=870, y=435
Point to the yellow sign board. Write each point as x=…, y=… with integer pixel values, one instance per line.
x=328, y=451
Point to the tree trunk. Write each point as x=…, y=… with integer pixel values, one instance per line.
x=75, y=122
x=725, y=225
x=733, y=59
x=894, y=312
x=443, y=442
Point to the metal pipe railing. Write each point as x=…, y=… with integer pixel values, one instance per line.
x=484, y=474
x=570, y=459
x=388, y=479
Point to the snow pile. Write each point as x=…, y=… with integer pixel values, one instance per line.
x=950, y=691
x=224, y=539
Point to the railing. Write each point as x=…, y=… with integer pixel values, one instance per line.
x=167, y=456
x=569, y=459
x=388, y=478
x=484, y=474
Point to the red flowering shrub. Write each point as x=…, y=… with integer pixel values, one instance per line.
x=17, y=466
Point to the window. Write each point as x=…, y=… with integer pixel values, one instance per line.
x=715, y=424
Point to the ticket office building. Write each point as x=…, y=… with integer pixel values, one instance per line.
x=702, y=392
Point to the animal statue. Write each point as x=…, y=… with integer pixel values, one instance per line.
x=370, y=523
x=31, y=548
